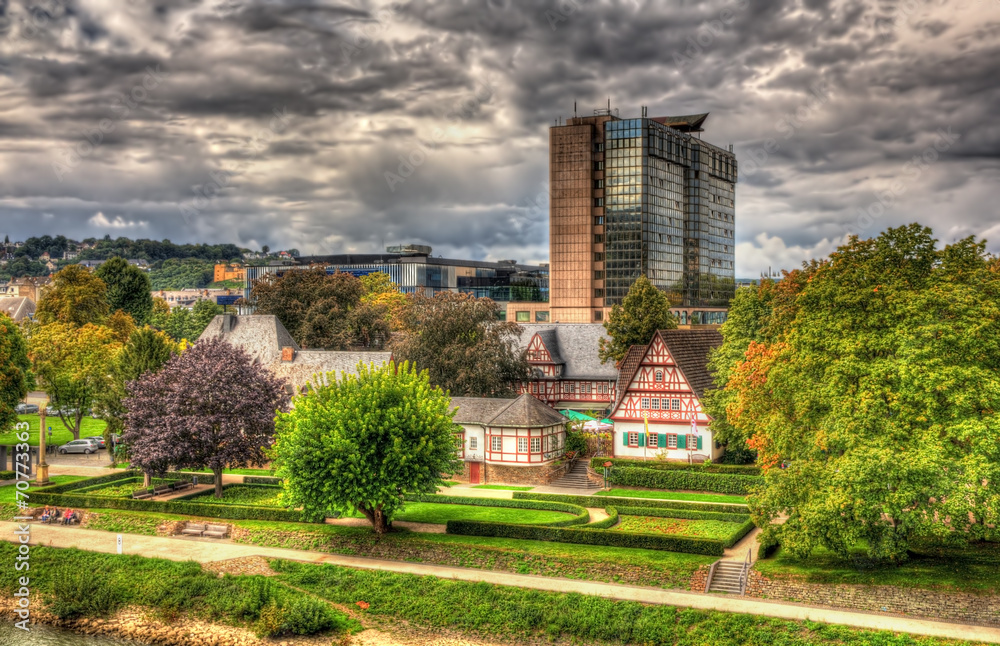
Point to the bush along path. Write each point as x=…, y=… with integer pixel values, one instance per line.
x=514, y=607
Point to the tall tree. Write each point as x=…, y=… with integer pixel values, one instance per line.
x=129, y=289
x=73, y=365
x=77, y=297
x=880, y=399
x=209, y=407
x=644, y=310
x=466, y=350
x=16, y=377
x=384, y=295
x=366, y=441
x=146, y=352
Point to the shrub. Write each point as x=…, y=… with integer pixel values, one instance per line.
x=7, y=475
x=767, y=548
x=79, y=592
x=611, y=501
x=682, y=513
x=741, y=455
x=580, y=517
x=261, y=480
x=588, y=537
x=689, y=480
x=738, y=534
x=706, y=467
x=576, y=442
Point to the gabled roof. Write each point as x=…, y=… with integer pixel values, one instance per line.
x=524, y=411
x=18, y=308
x=576, y=346
x=550, y=339
x=626, y=369
x=689, y=350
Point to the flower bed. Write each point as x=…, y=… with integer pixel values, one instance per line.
x=713, y=529
x=121, y=488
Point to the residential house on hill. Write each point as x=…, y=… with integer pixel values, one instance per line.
x=19, y=308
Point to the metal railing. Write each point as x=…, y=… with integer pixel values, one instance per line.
x=745, y=573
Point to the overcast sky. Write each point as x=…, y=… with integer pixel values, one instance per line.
x=284, y=122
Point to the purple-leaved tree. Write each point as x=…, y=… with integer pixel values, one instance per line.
x=209, y=407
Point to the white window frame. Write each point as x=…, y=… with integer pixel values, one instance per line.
x=675, y=404
x=644, y=403
x=652, y=440
x=473, y=442
x=658, y=376
x=633, y=439
x=671, y=441
x=536, y=445
x=496, y=444
x=522, y=445
x=655, y=403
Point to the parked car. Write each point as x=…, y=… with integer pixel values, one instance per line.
x=99, y=439
x=86, y=445
x=51, y=411
x=26, y=409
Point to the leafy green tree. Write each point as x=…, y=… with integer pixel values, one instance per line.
x=77, y=297
x=129, y=289
x=880, y=399
x=73, y=365
x=466, y=350
x=364, y=442
x=182, y=323
x=187, y=273
x=644, y=310
x=16, y=377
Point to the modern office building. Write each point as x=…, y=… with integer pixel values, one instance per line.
x=639, y=196
x=415, y=270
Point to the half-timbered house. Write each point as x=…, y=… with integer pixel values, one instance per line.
x=567, y=373
x=660, y=386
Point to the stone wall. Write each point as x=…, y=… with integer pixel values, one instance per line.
x=700, y=578
x=963, y=607
x=540, y=475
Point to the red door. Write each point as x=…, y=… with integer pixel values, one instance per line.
x=473, y=473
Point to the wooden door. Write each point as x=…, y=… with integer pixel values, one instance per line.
x=473, y=473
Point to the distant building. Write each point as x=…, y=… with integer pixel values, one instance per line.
x=566, y=371
x=70, y=255
x=18, y=308
x=188, y=297
x=32, y=287
x=135, y=262
x=230, y=272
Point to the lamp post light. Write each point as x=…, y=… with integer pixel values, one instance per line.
x=43, y=467
x=607, y=470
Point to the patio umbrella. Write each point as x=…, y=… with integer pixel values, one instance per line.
x=577, y=417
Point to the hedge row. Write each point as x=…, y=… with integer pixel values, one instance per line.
x=580, y=515
x=687, y=480
x=682, y=513
x=588, y=537
x=737, y=535
x=705, y=467
x=767, y=548
x=613, y=501
x=91, y=482
x=610, y=521
x=261, y=480
x=7, y=475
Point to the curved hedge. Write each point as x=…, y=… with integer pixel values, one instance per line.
x=7, y=475
x=705, y=467
x=737, y=535
x=610, y=521
x=683, y=513
x=584, y=536
x=580, y=515
x=613, y=501
x=687, y=480
x=261, y=480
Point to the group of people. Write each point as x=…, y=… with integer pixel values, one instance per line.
x=51, y=514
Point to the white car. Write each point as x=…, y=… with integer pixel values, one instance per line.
x=87, y=446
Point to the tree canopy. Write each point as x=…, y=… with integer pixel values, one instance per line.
x=182, y=323
x=77, y=297
x=209, y=407
x=15, y=371
x=463, y=345
x=364, y=441
x=128, y=289
x=876, y=388
x=644, y=310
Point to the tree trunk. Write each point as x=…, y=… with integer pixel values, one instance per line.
x=377, y=518
x=218, y=481
x=147, y=481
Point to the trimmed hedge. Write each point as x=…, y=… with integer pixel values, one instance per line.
x=688, y=480
x=610, y=521
x=586, y=536
x=766, y=549
x=740, y=532
x=612, y=501
x=581, y=515
x=732, y=469
x=261, y=480
x=90, y=482
x=7, y=475
x=682, y=513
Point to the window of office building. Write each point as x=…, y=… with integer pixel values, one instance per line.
x=523, y=317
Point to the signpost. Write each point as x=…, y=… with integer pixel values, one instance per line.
x=119, y=543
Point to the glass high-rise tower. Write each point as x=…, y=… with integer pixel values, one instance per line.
x=638, y=196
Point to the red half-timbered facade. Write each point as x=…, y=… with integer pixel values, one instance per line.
x=659, y=406
x=567, y=371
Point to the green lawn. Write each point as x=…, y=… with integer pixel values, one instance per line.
x=974, y=569
x=60, y=435
x=673, y=495
x=125, y=488
x=7, y=491
x=440, y=513
x=503, y=487
x=253, y=495
x=676, y=526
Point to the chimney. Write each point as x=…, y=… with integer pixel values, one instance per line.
x=287, y=354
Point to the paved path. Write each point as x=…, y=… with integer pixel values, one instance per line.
x=205, y=551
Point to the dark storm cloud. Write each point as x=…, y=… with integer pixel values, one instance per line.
x=342, y=125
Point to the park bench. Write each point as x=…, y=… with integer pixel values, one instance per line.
x=182, y=485
x=162, y=489
x=216, y=531
x=194, y=529
x=142, y=494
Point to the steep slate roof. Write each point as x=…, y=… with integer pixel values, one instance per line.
x=522, y=412
x=551, y=340
x=576, y=348
x=689, y=349
x=263, y=337
x=627, y=368
x=18, y=308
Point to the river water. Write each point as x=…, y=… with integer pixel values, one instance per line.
x=41, y=635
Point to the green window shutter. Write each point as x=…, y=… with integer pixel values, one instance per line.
x=682, y=441
x=699, y=442
x=642, y=439
x=663, y=441
x=624, y=439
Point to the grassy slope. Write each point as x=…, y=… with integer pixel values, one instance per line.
x=676, y=526
x=7, y=491
x=427, y=512
x=60, y=435
x=673, y=495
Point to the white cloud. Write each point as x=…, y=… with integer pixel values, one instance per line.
x=764, y=252
x=102, y=221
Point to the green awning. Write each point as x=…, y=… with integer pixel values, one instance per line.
x=577, y=417
x=606, y=421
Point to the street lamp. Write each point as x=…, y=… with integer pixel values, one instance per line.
x=43, y=467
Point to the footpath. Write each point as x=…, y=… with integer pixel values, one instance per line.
x=207, y=551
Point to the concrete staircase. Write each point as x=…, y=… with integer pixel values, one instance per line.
x=726, y=577
x=575, y=478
